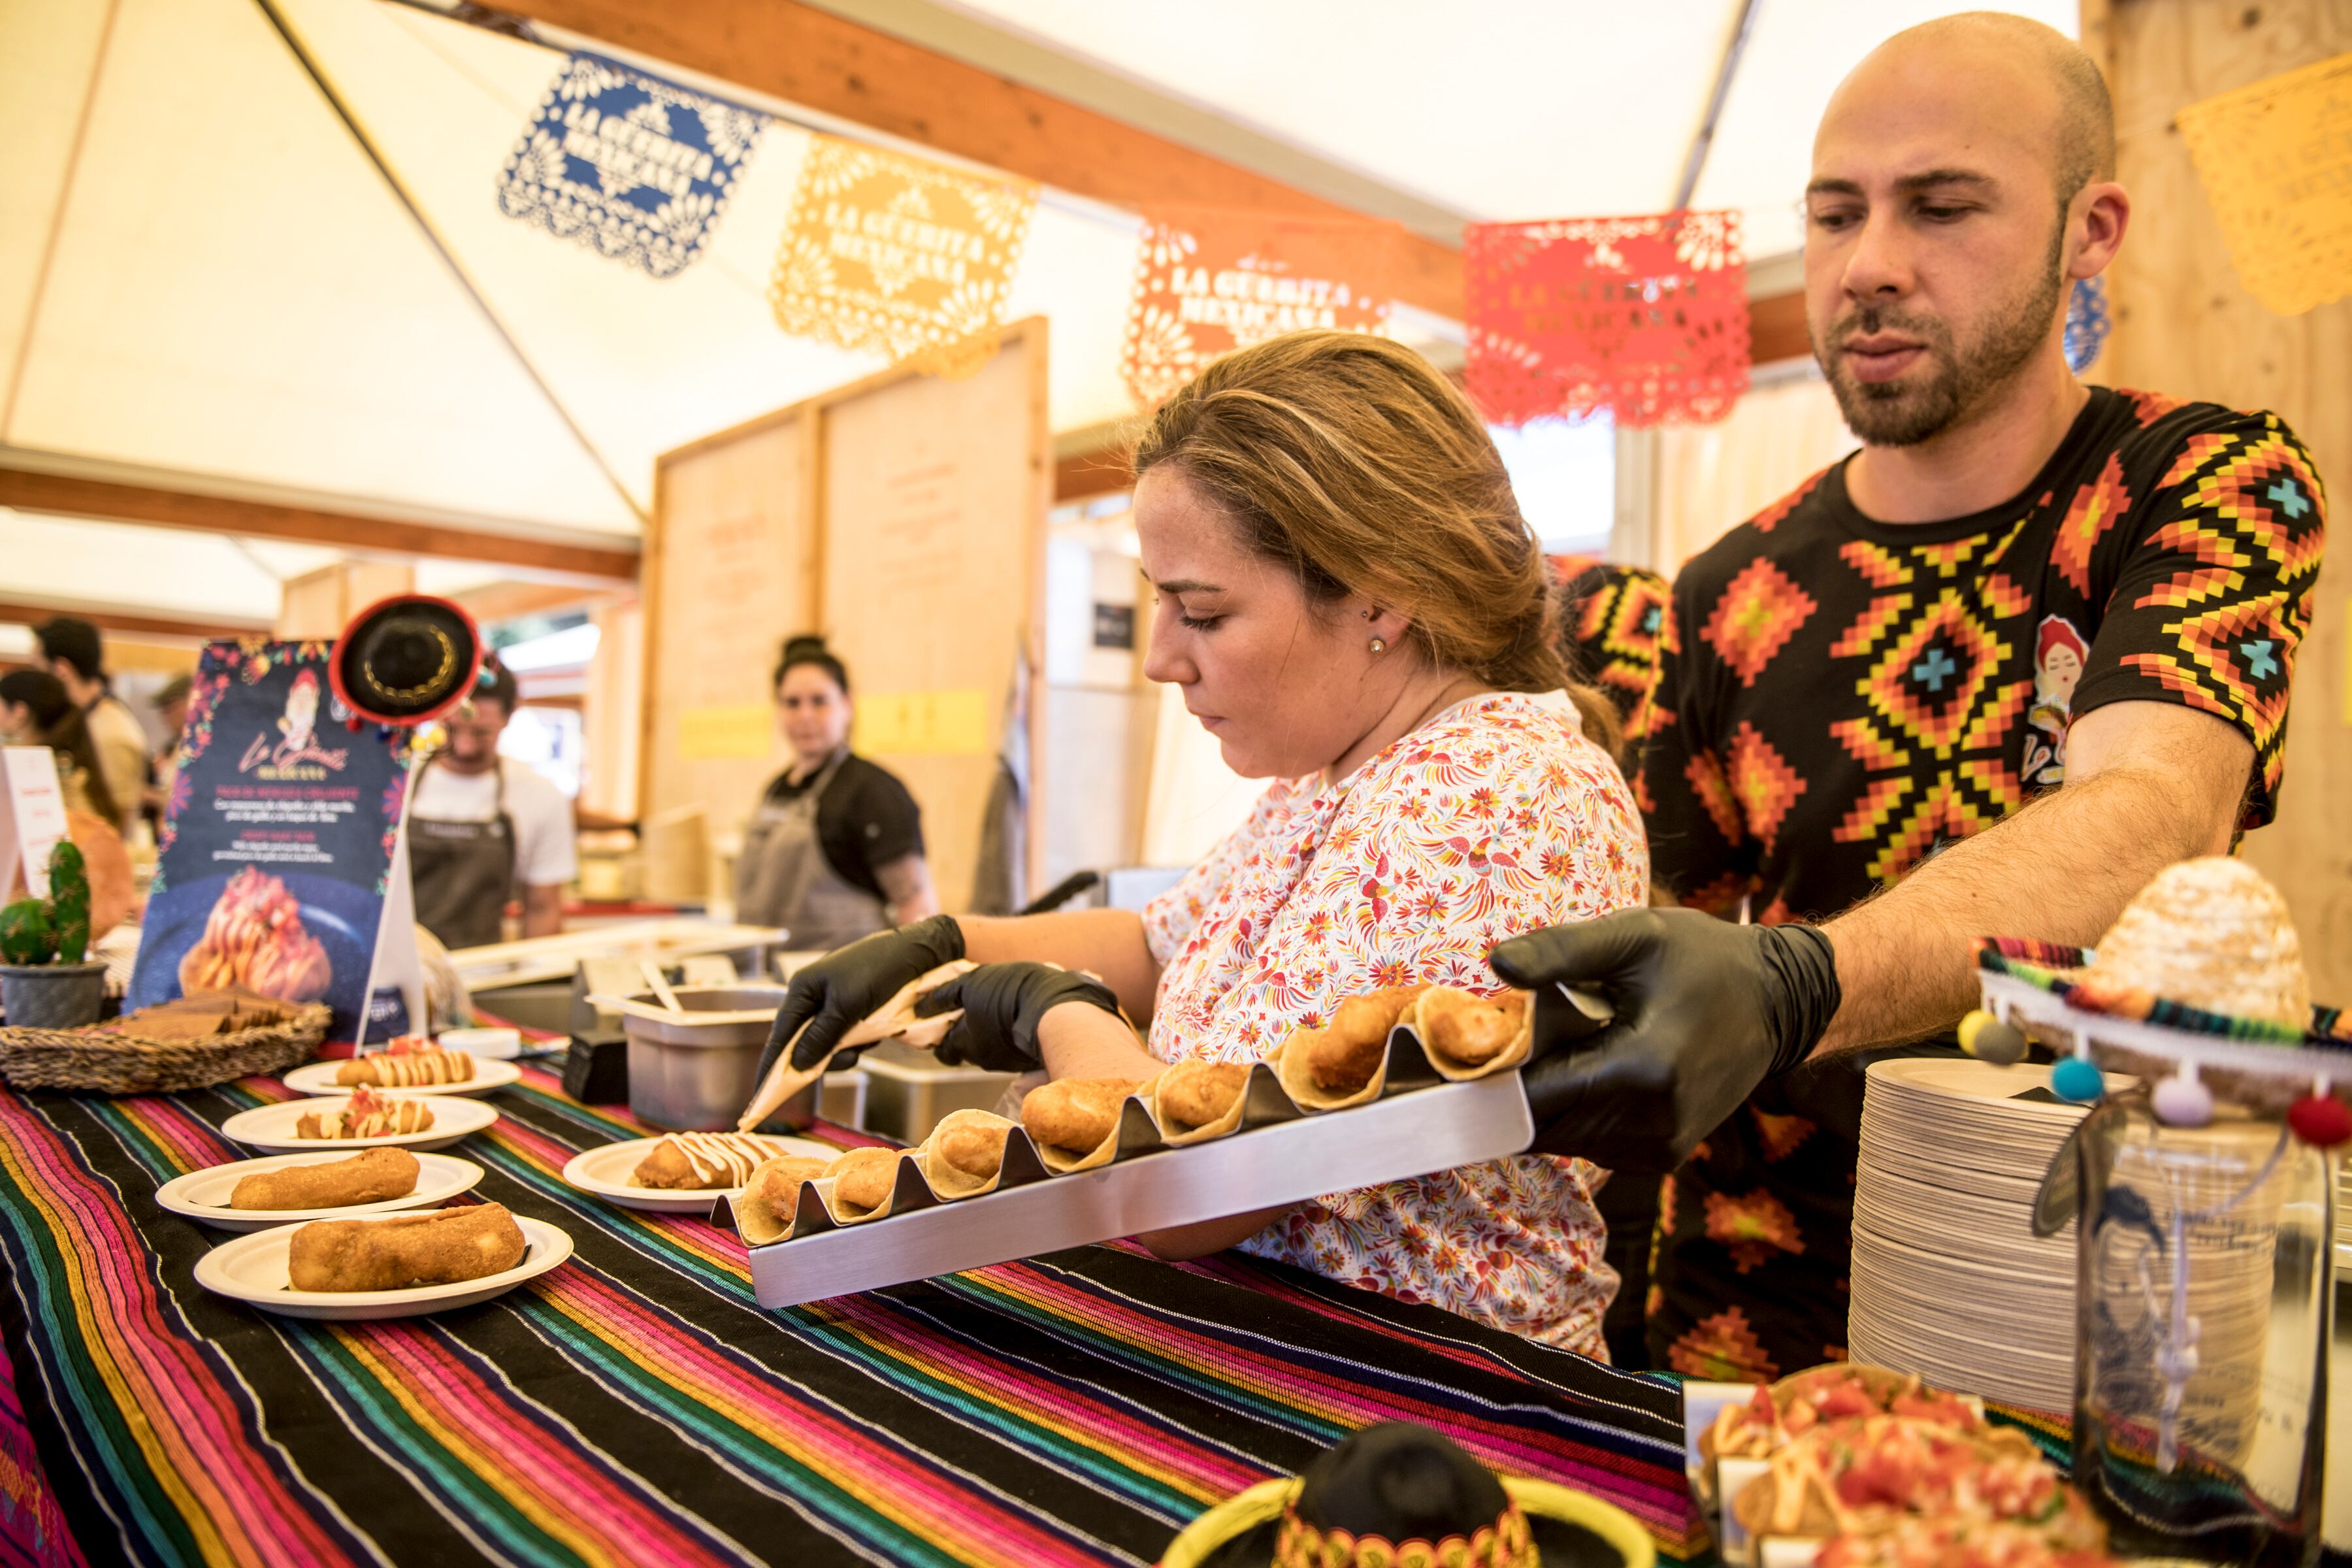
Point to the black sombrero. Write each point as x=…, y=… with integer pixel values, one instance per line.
x=1402, y=1496
x=407, y=659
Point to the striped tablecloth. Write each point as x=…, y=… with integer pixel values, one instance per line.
x=635, y=1405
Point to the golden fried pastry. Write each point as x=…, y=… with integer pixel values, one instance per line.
x=439, y=1248
x=700, y=1161
x=1193, y=1095
x=965, y=1152
x=863, y=1180
x=398, y=1069
x=765, y=1206
x=1075, y=1115
x=1468, y=1030
x=370, y=1176
x=1343, y=1057
x=367, y=1114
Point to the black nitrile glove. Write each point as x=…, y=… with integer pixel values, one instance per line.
x=1002, y=1006
x=1706, y=1010
x=850, y=983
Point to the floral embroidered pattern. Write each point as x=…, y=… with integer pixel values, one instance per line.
x=1495, y=819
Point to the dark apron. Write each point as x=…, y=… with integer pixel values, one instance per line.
x=782, y=878
x=463, y=872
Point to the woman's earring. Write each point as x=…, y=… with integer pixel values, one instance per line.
x=1379, y=645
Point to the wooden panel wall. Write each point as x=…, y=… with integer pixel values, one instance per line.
x=2185, y=327
x=933, y=517
x=903, y=516
x=731, y=572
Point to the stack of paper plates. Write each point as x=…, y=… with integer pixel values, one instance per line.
x=1949, y=1280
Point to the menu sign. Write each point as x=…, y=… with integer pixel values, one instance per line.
x=280, y=844
x=32, y=817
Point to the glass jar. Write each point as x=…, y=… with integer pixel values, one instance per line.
x=2203, y=1310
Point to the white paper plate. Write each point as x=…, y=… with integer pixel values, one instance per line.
x=272, y=1127
x=319, y=1078
x=606, y=1172
x=202, y=1196
x=252, y=1269
x=480, y=1042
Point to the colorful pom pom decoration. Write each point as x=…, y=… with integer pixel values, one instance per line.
x=2321, y=1121
x=2077, y=1079
x=1989, y=1039
x=2183, y=1101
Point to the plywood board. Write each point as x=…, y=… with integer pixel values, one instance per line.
x=933, y=509
x=730, y=574
x=2185, y=327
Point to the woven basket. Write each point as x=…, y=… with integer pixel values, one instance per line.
x=100, y=1061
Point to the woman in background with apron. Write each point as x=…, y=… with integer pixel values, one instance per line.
x=835, y=851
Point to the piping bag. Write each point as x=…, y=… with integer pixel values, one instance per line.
x=894, y=1020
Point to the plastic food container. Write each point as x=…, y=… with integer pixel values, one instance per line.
x=695, y=1071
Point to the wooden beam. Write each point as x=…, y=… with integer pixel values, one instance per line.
x=106, y=500
x=837, y=67
x=510, y=600
x=32, y=613
x=1776, y=329
x=1100, y=473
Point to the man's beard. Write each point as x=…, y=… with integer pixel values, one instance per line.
x=1906, y=412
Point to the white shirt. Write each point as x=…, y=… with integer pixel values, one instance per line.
x=544, y=848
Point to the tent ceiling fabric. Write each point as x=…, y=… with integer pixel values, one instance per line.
x=1509, y=109
x=224, y=285
x=234, y=292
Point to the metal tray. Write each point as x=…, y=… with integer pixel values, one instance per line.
x=1280, y=1155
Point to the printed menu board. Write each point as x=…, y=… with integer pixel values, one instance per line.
x=280, y=845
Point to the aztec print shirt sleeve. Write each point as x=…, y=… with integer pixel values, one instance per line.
x=1699, y=847
x=2214, y=594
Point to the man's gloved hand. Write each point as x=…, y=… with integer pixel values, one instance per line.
x=847, y=984
x=1706, y=1010
x=1002, y=1006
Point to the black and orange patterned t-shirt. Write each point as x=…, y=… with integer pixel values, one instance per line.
x=1838, y=696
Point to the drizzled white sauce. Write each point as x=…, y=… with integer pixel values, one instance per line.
x=723, y=1159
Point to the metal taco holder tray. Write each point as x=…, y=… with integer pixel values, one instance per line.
x=1280, y=1155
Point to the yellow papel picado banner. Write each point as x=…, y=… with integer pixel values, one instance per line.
x=2276, y=160
x=896, y=255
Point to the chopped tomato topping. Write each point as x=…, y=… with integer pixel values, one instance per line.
x=1845, y=1399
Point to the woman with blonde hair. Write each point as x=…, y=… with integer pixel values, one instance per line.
x=1352, y=605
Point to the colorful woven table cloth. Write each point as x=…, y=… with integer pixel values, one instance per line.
x=635, y=1405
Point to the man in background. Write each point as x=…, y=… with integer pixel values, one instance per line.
x=72, y=650
x=483, y=828
x=2029, y=646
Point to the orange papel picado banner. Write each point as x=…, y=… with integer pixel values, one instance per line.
x=896, y=255
x=1210, y=279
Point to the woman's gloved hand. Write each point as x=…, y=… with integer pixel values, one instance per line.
x=1003, y=1004
x=1706, y=1010
x=847, y=984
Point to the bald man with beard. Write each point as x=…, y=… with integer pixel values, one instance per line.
x=1987, y=675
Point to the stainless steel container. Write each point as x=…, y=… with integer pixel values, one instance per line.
x=696, y=1073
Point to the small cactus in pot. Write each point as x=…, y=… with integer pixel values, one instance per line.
x=46, y=979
